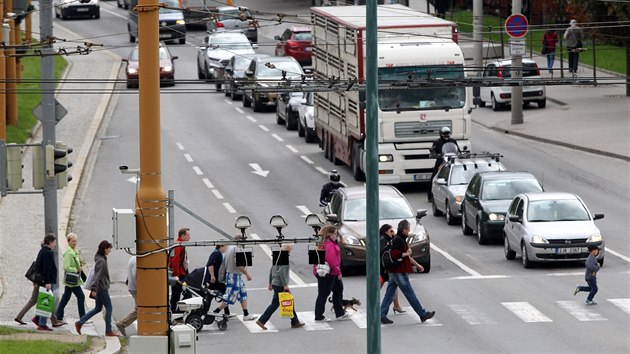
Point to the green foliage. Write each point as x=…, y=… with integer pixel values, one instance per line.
x=5, y=330
x=42, y=347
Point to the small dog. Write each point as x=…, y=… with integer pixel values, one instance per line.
x=347, y=303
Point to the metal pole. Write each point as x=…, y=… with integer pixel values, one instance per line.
x=371, y=140
x=171, y=217
x=477, y=42
x=517, y=74
x=594, y=62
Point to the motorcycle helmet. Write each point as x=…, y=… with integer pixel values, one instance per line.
x=334, y=176
x=445, y=132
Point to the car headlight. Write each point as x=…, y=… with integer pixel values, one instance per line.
x=595, y=238
x=132, y=71
x=180, y=22
x=496, y=217
x=167, y=68
x=350, y=240
x=385, y=158
x=539, y=239
x=420, y=236
x=459, y=198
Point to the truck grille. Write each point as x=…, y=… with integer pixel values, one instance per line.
x=420, y=129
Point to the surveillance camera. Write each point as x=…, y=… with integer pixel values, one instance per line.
x=123, y=167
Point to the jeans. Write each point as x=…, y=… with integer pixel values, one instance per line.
x=176, y=293
x=324, y=286
x=551, y=57
x=574, y=57
x=275, y=303
x=400, y=280
x=591, y=288
x=78, y=292
x=102, y=299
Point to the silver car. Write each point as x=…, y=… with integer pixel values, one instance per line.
x=287, y=108
x=230, y=18
x=550, y=227
x=215, y=53
x=450, y=182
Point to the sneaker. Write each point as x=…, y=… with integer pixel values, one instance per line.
x=577, y=290
x=427, y=316
x=249, y=317
x=261, y=325
x=323, y=320
x=297, y=325
x=345, y=316
x=44, y=328
x=591, y=302
x=121, y=329
x=385, y=320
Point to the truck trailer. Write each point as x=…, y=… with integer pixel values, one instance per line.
x=411, y=45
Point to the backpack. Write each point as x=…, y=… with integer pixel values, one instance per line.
x=387, y=260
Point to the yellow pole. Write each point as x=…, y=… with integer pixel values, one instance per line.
x=228, y=2
x=3, y=102
x=152, y=304
x=28, y=25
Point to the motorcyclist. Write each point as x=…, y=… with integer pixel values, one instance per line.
x=329, y=188
x=436, y=151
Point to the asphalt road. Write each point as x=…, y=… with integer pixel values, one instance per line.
x=484, y=303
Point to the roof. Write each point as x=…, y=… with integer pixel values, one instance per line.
x=550, y=196
x=300, y=28
x=505, y=175
x=474, y=160
x=360, y=192
x=270, y=59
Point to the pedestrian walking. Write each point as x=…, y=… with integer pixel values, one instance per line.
x=387, y=233
x=279, y=282
x=573, y=37
x=234, y=284
x=72, y=264
x=100, y=290
x=331, y=282
x=46, y=268
x=178, y=264
x=399, y=277
x=592, y=267
x=132, y=286
x=214, y=265
x=550, y=38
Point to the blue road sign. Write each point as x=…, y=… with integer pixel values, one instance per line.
x=516, y=26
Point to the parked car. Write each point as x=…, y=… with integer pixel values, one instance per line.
x=266, y=72
x=235, y=72
x=500, y=96
x=65, y=9
x=450, y=183
x=167, y=66
x=216, y=52
x=347, y=210
x=296, y=42
x=230, y=18
x=171, y=22
x=306, y=121
x=550, y=227
x=287, y=108
x=487, y=199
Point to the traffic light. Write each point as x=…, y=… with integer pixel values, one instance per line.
x=14, y=167
x=62, y=164
x=38, y=168
x=57, y=165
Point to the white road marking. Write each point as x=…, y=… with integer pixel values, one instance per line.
x=114, y=13
x=208, y=183
x=563, y=274
x=229, y=208
x=258, y=170
x=461, y=265
x=277, y=137
x=133, y=179
x=228, y=102
x=296, y=279
x=478, y=277
x=303, y=209
x=188, y=157
x=614, y=253
x=307, y=160
x=428, y=323
x=471, y=314
x=526, y=312
x=623, y=304
x=581, y=311
x=217, y=194
x=309, y=285
x=251, y=118
x=180, y=146
x=359, y=318
x=308, y=317
x=254, y=328
x=239, y=110
x=197, y=170
x=263, y=128
x=292, y=149
x=320, y=169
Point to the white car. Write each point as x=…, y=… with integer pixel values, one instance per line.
x=306, y=120
x=500, y=96
x=215, y=53
x=550, y=227
x=74, y=8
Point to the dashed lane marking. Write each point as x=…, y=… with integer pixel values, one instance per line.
x=617, y=254
x=228, y=102
x=277, y=137
x=461, y=265
x=180, y=146
x=320, y=169
x=292, y=149
x=303, y=209
x=263, y=128
x=251, y=119
x=526, y=312
x=188, y=157
x=197, y=170
x=229, y=208
x=307, y=160
x=217, y=194
x=239, y=110
x=208, y=183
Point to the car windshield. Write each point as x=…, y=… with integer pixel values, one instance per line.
x=241, y=63
x=230, y=42
x=389, y=208
x=428, y=98
x=302, y=36
x=171, y=6
x=507, y=189
x=462, y=174
x=232, y=15
x=291, y=67
x=556, y=210
x=136, y=53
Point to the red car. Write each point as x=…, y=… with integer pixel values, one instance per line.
x=167, y=67
x=295, y=42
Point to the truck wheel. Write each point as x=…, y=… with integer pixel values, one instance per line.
x=325, y=145
x=310, y=136
x=356, y=162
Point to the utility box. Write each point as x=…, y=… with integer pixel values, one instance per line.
x=124, y=223
x=183, y=339
x=148, y=345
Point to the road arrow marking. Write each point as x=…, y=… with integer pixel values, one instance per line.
x=258, y=170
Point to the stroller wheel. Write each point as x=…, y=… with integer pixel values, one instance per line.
x=195, y=321
x=222, y=324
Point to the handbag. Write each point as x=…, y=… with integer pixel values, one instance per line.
x=286, y=304
x=89, y=281
x=32, y=275
x=72, y=279
x=45, y=303
x=323, y=269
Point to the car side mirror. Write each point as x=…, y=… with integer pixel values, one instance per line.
x=598, y=216
x=441, y=181
x=333, y=218
x=124, y=60
x=174, y=57
x=276, y=37
x=420, y=213
x=514, y=218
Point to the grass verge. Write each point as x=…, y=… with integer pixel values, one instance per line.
x=38, y=346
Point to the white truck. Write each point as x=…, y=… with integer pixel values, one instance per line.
x=411, y=45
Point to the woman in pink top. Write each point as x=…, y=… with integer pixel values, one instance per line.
x=331, y=282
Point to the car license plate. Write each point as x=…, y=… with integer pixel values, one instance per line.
x=422, y=177
x=568, y=250
x=165, y=35
x=308, y=49
x=83, y=9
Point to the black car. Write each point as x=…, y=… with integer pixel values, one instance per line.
x=235, y=72
x=487, y=199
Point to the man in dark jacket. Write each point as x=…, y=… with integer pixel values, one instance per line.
x=436, y=150
x=592, y=267
x=399, y=277
x=47, y=268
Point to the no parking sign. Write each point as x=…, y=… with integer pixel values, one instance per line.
x=516, y=26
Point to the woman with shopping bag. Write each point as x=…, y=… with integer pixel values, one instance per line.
x=72, y=267
x=279, y=283
x=47, y=269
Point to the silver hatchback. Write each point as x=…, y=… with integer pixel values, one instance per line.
x=231, y=18
x=550, y=227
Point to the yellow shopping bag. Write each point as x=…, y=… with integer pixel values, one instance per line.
x=286, y=304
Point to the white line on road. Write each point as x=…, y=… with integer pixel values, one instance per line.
x=477, y=277
x=180, y=146
x=472, y=314
x=307, y=285
x=293, y=150
x=217, y=194
x=263, y=128
x=526, y=312
x=461, y=265
x=563, y=274
x=239, y=110
x=208, y=183
x=581, y=311
x=429, y=323
x=303, y=209
x=359, y=318
x=296, y=279
x=307, y=160
x=277, y=137
x=623, y=304
x=251, y=118
x=188, y=157
x=308, y=317
x=229, y=208
x=320, y=169
x=197, y=170
x=228, y=102
x=614, y=253
x=254, y=328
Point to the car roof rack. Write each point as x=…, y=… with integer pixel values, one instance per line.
x=469, y=155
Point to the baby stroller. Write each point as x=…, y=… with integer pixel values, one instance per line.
x=197, y=298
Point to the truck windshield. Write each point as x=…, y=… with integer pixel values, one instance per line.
x=421, y=98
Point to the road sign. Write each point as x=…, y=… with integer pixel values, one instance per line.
x=517, y=46
x=60, y=111
x=516, y=26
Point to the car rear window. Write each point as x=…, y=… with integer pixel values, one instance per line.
x=507, y=189
x=302, y=36
x=529, y=69
x=556, y=210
